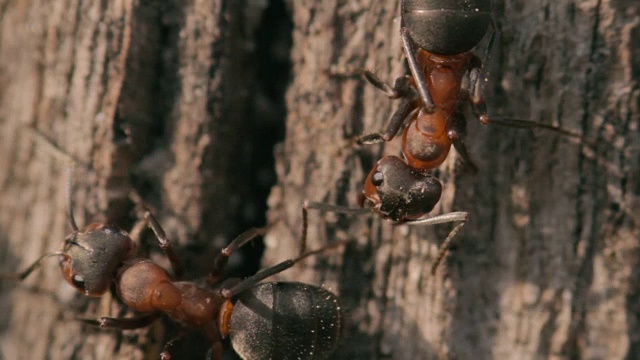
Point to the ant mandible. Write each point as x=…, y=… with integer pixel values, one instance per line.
x=263, y=320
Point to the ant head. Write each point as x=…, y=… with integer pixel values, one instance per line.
x=397, y=192
x=91, y=257
x=269, y=318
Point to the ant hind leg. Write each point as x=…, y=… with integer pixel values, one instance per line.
x=169, y=345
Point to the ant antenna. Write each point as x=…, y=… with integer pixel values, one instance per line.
x=336, y=208
x=72, y=220
x=456, y=216
x=528, y=124
x=36, y=264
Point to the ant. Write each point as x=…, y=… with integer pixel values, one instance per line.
x=262, y=320
x=444, y=76
x=398, y=193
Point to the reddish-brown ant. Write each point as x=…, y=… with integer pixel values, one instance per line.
x=438, y=67
x=445, y=75
x=263, y=320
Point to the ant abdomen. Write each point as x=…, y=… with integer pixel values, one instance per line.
x=446, y=27
x=286, y=320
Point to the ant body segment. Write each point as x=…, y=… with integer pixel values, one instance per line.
x=263, y=320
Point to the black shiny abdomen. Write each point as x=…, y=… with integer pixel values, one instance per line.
x=286, y=320
x=446, y=27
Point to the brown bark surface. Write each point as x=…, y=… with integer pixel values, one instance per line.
x=144, y=96
x=178, y=100
x=546, y=267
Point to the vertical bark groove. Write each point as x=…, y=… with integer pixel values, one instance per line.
x=182, y=102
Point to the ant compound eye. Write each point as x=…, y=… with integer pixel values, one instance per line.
x=377, y=179
x=78, y=282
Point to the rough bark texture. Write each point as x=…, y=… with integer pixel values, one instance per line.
x=546, y=267
x=180, y=100
x=150, y=96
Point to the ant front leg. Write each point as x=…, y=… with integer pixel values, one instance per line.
x=165, y=244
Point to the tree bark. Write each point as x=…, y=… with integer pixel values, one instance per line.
x=546, y=266
x=181, y=102
x=143, y=96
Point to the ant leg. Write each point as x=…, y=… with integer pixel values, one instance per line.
x=492, y=38
x=460, y=216
x=220, y=262
x=476, y=71
x=214, y=352
x=479, y=109
x=165, y=244
x=168, y=347
x=456, y=131
x=461, y=148
x=123, y=323
x=402, y=113
x=421, y=83
x=478, y=105
x=401, y=87
x=278, y=268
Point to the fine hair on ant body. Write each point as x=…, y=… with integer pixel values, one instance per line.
x=283, y=320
